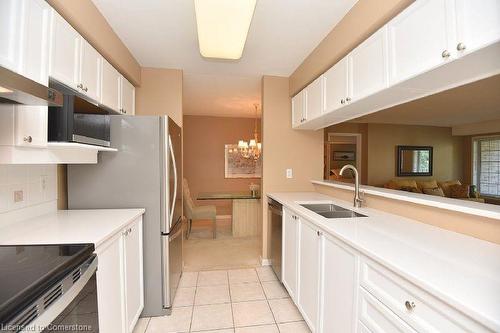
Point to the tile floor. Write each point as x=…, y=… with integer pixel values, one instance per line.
x=202, y=252
x=229, y=301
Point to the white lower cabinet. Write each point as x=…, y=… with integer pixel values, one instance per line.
x=309, y=273
x=290, y=251
x=337, y=289
x=120, y=286
x=339, y=284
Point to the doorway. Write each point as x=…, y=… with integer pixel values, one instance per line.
x=342, y=149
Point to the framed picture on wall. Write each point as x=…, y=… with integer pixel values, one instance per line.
x=237, y=166
x=344, y=156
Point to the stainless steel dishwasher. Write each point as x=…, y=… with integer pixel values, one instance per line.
x=275, y=217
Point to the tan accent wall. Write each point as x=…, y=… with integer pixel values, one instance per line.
x=448, y=152
x=285, y=148
x=160, y=93
x=204, y=140
x=482, y=128
x=366, y=17
x=84, y=16
x=479, y=227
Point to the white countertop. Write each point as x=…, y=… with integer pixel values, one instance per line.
x=68, y=226
x=460, y=270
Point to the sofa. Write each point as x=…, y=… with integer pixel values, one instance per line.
x=449, y=189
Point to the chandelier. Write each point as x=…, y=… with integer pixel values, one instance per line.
x=252, y=149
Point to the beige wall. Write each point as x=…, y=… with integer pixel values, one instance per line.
x=204, y=140
x=479, y=227
x=362, y=20
x=448, y=152
x=84, y=16
x=160, y=93
x=285, y=148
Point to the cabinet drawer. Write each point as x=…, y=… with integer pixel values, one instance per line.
x=418, y=308
x=375, y=317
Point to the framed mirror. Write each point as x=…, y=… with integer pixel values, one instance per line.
x=414, y=161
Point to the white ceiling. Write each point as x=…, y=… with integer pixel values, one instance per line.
x=162, y=33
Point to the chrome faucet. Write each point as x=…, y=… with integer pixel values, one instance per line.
x=357, y=198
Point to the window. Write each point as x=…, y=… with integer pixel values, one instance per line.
x=486, y=162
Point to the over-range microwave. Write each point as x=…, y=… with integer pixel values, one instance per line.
x=78, y=119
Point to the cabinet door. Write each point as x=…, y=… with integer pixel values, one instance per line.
x=420, y=38
x=110, y=287
x=336, y=85
x=314, y=99
x=10, y=33
x=134, y=288
x=298, y=108
x=35, y=41
x=64, y=51
x=309, y=273
x=110, y=92
x=339, y=266
x=289, y=252
x=368, y=71
x=478, y=24
x=31, y=125
x=127, y=97
x=90, y=71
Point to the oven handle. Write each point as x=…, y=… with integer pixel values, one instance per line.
x=89, y=268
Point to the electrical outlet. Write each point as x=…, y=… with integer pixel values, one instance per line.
x=18, y=196
x=289, y=173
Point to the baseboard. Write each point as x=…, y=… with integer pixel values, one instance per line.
x=266, y=262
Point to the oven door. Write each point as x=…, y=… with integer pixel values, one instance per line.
x=81, y=314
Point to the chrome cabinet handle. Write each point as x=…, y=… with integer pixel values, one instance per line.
x=129, y=230
x=85, y=89
x=348, y=99
x=80, y=86
x=319, y=233
x=28, y=139
x=410, y=305
x=445, y=54
x=342, y=101
x=124, y=111
x=461, y=46
x=125, y=233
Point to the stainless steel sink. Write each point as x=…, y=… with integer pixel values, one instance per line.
x=331, y=211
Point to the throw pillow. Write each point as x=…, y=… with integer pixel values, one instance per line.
x=427, y=184
x=446, y=186
x=410, y=189
x=459, y=191
x=434, y=191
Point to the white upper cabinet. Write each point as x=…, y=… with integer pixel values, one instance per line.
x=110, y=88
x=289, y=255
x=339, y=267
x=368, y=66
x=64, y=52
x=127, y=97
x=314, y=99
x=299, y=108
x=420, y=38
x=31, y=125
x=10, y=33
x=478, y=24
x=90, y=71
x=336, y=86
x=309, y=250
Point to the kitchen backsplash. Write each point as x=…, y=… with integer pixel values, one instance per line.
x=23, y=186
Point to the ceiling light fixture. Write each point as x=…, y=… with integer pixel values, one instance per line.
x=223, y=27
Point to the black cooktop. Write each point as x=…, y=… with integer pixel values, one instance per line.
x=27, y=271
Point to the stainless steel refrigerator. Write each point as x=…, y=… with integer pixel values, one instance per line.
x=146, y=172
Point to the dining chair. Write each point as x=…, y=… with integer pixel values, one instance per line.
x=194, y=212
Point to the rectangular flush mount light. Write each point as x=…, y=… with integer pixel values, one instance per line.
x=223, y=27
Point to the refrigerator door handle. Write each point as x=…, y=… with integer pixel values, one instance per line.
x=174, y=163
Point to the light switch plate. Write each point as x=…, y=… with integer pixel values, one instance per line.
x=18, y=196
x=289, y=173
